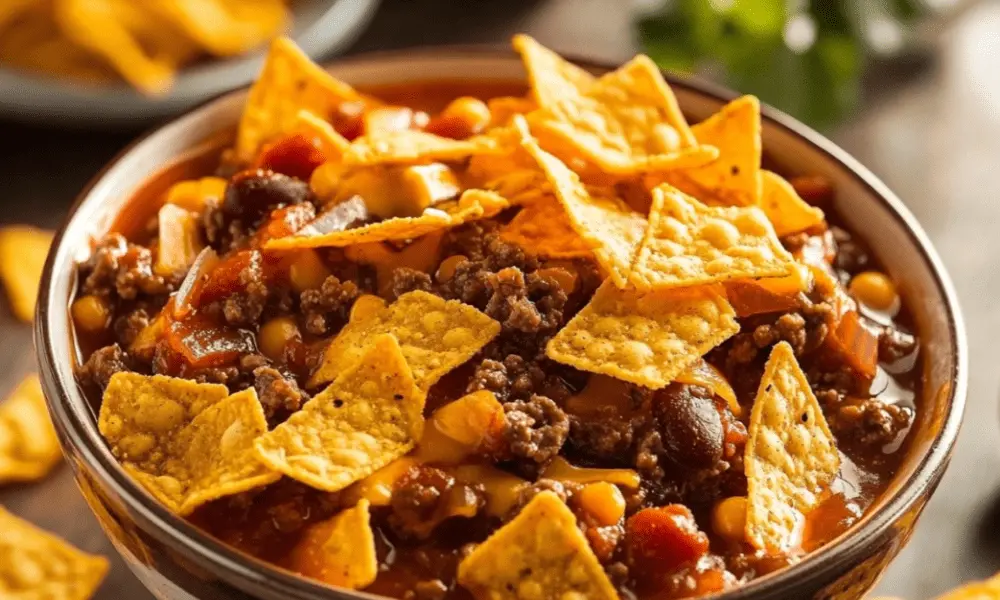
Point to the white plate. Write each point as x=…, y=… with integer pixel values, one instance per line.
x=321, y=27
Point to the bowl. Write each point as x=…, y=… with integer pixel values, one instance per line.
x=179, y=562
x=320, y=28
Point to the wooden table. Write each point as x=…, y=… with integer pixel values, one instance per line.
x=934, y=138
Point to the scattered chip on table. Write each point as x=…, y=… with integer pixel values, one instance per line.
x=688, y=243
x=412, y=146
x=368, y=417
x=436, y=335
x=543, y=229
x=791, y=456
x=988, y=589
x=788, y=212
x=552, y=77
x=29, y=448
x=187, y=443
x=541, y=553
x=605, y=223
x=23, y=251
x=288, y=83
x=36, y=565
x=645, y=338
x=339, y=551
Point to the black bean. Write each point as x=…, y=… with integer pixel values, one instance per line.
x=691, y=426
x=252, y=195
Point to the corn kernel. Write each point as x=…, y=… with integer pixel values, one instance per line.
x=275, y=335
x=604, y=501
x=729, y=518
x=307, y=271
x=91, y=314
x=874, y=289
x=472, y=111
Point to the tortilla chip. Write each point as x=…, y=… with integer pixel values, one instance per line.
x=790, y=456
x=29, y=448
x=36, y=565
x=226, y=28
x=339, y=551
x=288, y=83
x=23, y=251
x=604, y=222
x=688, y=243
x=541, y=553
x=436, y=336
x=977, y=590
x=543, y=229
x=732, y=179
x=626, y=123
x=412, y=146
x=514, y=175
x=646, y=338
x=503, y=109
x=331, y=143
x=473, y=205
x=551, y=77
x=781, y=203
x=187, y=443
x=368, y=417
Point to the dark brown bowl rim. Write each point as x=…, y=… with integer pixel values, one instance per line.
x=243, y=571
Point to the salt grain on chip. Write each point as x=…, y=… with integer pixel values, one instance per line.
x=29, y=448
x=368, y=417
x=645, y=338
x=788, y=212
x=791, y=456
x=688, y=243
x=339, y=551
x=36, y=565
x=541, y=553
x=23, y=251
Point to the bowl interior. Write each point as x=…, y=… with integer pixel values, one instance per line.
x=867, y=207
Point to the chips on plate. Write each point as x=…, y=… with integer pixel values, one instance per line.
x=436, y=335
x=791, y=456
x=368, y=417
x=29, y=448
x=540, y=553
x=688, y=243
x=36, y=565
x=339, y=551
x=23, y=251
x=646, y=338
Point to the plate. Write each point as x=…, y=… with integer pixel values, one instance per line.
x=321, y=28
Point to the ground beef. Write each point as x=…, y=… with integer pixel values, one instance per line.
x=221, y=233
x=563, y=489
x=536, y=428
x=118, y=268
x=895, y=344
x=603, y=436
x=244, y=309
x=789, y=327
x=127, y=327
x=490, y=375
x=278, y=394
x=867, y=422
x=102, y=364
x=618, y=574
x=426, y=496
x=328, y=307
x=403, y=280
x=487, y=254
x=524, y=304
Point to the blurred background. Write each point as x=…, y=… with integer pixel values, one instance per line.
x=910, y=87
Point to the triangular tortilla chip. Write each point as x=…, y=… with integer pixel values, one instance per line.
x=787, y=211
x=688, y=243
x=368, y=417
x=29, y=448
x=645, y=338
x=288, y=83
x=23, y=251
x=411, y=146
x=543, y=229
x=791, y=456
x=541, y=553
x=332, y=144
x=552, y=78
x=339, y=551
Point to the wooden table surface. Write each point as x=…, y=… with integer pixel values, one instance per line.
x=934, y=137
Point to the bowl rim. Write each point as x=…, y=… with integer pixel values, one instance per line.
x=242, y=570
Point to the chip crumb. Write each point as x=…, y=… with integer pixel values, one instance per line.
x=688, y=243
x=368, y=417
x=23, y=250
x=339, y=551
x=788, y=212
x=791, y=456
x=540, y=554
x=37, y=565
x=646, y=338
x=29, y=447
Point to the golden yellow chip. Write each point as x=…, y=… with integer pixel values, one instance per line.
x=790, y=457
x=503, y=109
x=290, y=82
x=411, y=146
x=29, y=448
x=781, y=203
x=23, y=251
x=473, y=205
x=332, y=144
x=436, y=335
x=36, y=565
x=339, y=551
x=543, y=229
x=605, y=223
x=626, y=123
x=733, y=178
x=514, y=175
x=541, y=553
x=187, y=443
x=551, y=77
x=988, y=589
x=225, y=28
x=688, y=243
x=368, y=417
x=646, y=338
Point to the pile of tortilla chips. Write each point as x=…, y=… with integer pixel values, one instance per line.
x=595, y=168
x=143, y=42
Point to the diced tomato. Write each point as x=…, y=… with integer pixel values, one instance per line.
x=296, y=155
x=664, y=538
x=348, y=119
x=449, y=126
x=751, y=298
x=283, y=222
x=204, y=343
x=814, y=189
x=855, y=343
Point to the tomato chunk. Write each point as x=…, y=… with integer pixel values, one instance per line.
x=664, y=538
x=296, y=155
x=203, y=343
